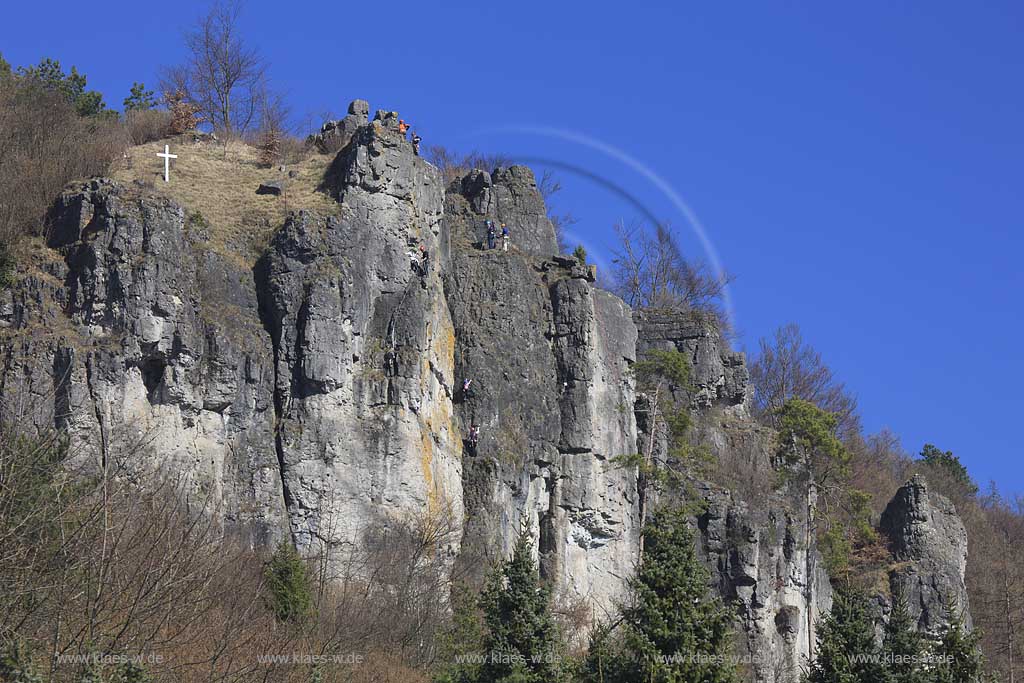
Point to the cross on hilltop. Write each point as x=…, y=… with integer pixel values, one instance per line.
x=167, y=156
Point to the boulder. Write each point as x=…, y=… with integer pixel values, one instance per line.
x=273, y=187
x=359, y=108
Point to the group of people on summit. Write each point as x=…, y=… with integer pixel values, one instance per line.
x=404, y=129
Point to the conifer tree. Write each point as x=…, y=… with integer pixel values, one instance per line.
x=520, y=644
x=139, y=99
x=846, y=649
x=673, y=629
x=957, y=656
x=462, y=641
x=902, y=646
x=49, y=74
x=290, y=589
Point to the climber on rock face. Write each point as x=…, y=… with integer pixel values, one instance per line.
x=424, y=260
x=424, y=265
x=491, y=234
x=467, y=388
x=390, y=363
x=416, y=139
x=505, y=237
x=403, y=127
x=474, y=437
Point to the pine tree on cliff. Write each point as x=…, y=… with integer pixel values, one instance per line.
x=673, y=630
x=521, y=640
x=847, y=651
x=957, y=655
x=903, y=646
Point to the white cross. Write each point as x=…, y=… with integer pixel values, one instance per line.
x=167, y=156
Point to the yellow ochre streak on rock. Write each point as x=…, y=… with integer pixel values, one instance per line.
x=441, y=347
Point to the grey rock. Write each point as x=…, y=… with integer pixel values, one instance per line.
x=929, y=543
x=274, y=187
x=359, y=108
x=510, y=196
x=335, y=135
x=142, y=338
x=719, y=375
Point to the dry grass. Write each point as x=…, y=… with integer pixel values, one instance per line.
x=219, y=182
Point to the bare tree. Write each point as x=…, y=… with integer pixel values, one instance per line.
x=273, y=126
x=995, y=578
x=222, y=76
x=786, y=368
x=549, y=185
x=650, y=270
x=453, y=164
x=44, y=144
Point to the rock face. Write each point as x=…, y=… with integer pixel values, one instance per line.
x=929, y=543
x=316, y=393
x=363, y=351
x=719, y=375
x=548, y=355
x=148, y=351
x=335, y=135
x=509, y=196
x=756, y=540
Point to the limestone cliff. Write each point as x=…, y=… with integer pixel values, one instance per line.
x=317, y=393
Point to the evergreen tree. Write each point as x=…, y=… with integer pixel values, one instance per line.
x=15, y=665
x=130, y=672
x=290, y=592
x=808, y=436
x=603, y=661
x=903, y=646
x=957, y=656
x=462, y=641
x=580, y=254
x=673, y=630
x=949, y=464
x=49, y=74
x=7, y=265
x=846, y=649
x=520, y=643
x=139, y=99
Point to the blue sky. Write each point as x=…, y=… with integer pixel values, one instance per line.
x=857, y=166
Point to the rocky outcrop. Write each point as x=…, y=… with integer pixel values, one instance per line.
x=335, y=135
x=929, y=543
x=762, y=563
x=509, y=196
x=548, y=355
x=148, y=351
x=754, y=536
x=317, y=393
x=363, y=349
x=719, y=375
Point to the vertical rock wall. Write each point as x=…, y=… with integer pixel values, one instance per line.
x=364, y=350
x=548, y=355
